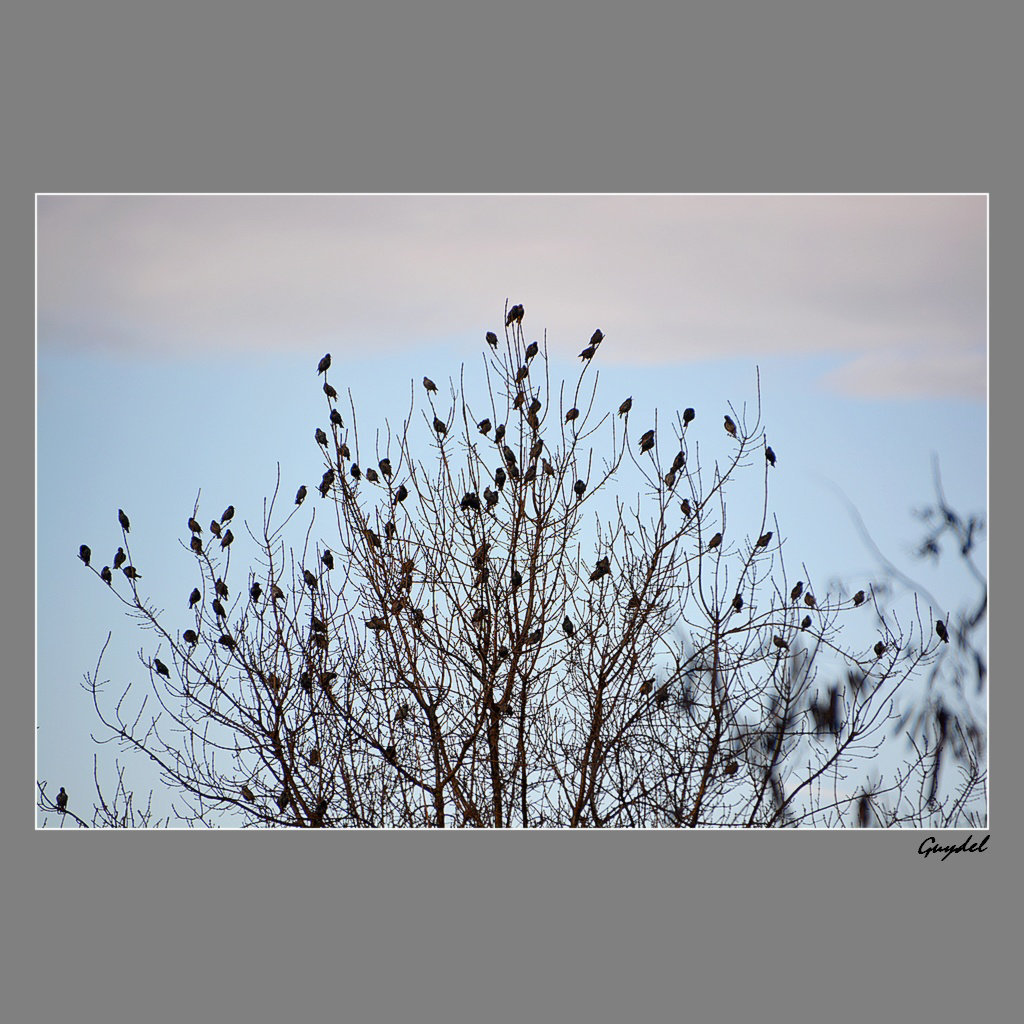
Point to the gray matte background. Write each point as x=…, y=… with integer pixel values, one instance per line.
x=485, y=927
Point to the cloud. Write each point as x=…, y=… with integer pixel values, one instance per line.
x=670, y=279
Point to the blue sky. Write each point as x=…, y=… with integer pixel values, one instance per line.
x=178, y=339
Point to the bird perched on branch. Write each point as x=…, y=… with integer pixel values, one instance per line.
x=277, y=593
x=737, y=602
x=324, y=365
x=571, y=415
x=479, y=616
x=161, y=668
x=440, y=427
x=685, y=506
x=780, y=643
x=492, y=339
x=940, y=628
x=229, y=513
x=521, y=374
x=329, y=391
x=626, y=406
x=538, y=447
x=191, y=637
x=356, y=472
x=534, y=638
x=226, y=641
x=84, y=553
x=123, y=520
x=688, y=417
x=326, y=483
x=196, y=544
x=805, y=622
x=336, y=418
x=809, y=600
x=794, y=594
x=215, y=528
x=194, y=598
x=647, y=686
x=429, y=385
x=715, y=541
x=371, y=475
x=596, y=338
x=220, y=588
x=646, y=441
x=858, y=598
x=879, y=649
x=499, y=434
x=603, y=568
x=106, y=576
x=227, y=539
x=769, y=456
x=499, y=478
x=321, y=437
x=670, y=479
x=309, y=578
x=247, y=794
x=567, y=627
x=516, y=579
x=730, y=427
x=531, y=474
x=62, y=801
x=764, y=540
x=255, y=592
x=490, y=497
x=219, y=609
x=376, y=623
x=661, y=694
x=588, y=353
x=131, y=572
x=300, y=495
x=515, y=315
x=484, y=426
x=401, y=493
x=579, y=487
x=328, y=559
x=470, y=501
x=531, y=350
x=194, y=526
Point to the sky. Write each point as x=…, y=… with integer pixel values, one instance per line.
x=178, y=338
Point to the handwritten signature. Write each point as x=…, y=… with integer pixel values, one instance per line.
x=929, y=846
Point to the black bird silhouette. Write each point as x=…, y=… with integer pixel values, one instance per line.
x=737, y=602
x=248, y=794
x=517, y=579
x=588, y=353
x=62, y=801
x=161, y=668
x=515, y=315
x=355, y=471
x=858, y=598
x=321, y=437
x=194, y=598
x=376, y=623
x=255, y=592
x=429, y=384
x=131, y=572
x=306, y=682
x=225, y=641
x=521, y=374
x=120, y=558
x=371, y=475
x=679, y=461
x=371, y=538
x=490, y=497
x=194, y=526
x=440, y=427
x=688, y=417
x=300, y=495
x=229, y=513
x=534, y=638
x=326, y=483
x=190, y=636
x=317, y=625
x=730, y=427
x=805, y=622
x=571, y=415
x=567, y=627
x=483, y=426
x=879, y=649
x=685, y=506
x=277, y=593
x=329, y=391
x=549, y=470
x=809, y=600
x=219, y=609
x=499, y=477
x=732, y=766
x=661, y=694
x=499, y=434
x=221, y=588
x=603, y=568
x=401, y=493
x=328, y=559
x=794, y=594
x=531, y=474
x=647, y=686
x=538, y=447
x=670, y=479
x=579, y=487
x=283, y=800
x=596, y=338
x=508, y=455
x=479, y=616
x=215, y=528
x=715, y=541
x=646, y=441
x=492, y=339
x=626, y=406
x=769, y=455
x=480, y=555
x=764, y=540
x=780, y=643
x=309, y=578
x=336, y=418
x=84, y=553
x=534, y=405
x=385, y=468
x=470, y=501
x=390, y=753
x=123, y=520
x=324, y=365
x=227, y=539
x=106, y=576
x=940, y=628
x=531, y=350
x=344, y=453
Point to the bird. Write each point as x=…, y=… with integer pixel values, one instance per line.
x=329, y=391
x=567, y=627
x=84, y=553
x=255, y=592
x=321, y=807
x=515, y=315
x=62, y=801
x=309, y=578
x=549, y=470
x=283, y=800
x=123, y=520
x=371, y=538
x=225, y=641
x=194, y=598
x=484, y=426
x=120, y=558
x=480, y=555
x=499, y=477
x=940, y=628
x=805, y=622
x=328, y=559
x=538, y=447
x=401, y=493
x=769, y=455
x=809, y=600
x=385, y=468
x=732, y=766
x=317, y=625
x=764, y=540
x=531, y=350
x=730, y=427
x=215, y=528
x=522, y=373
x=685, y=506
x=737, y=602
x=688, y=417
x=196, y=544
x=626, y=406
x=531, y=474
x=227, y=539
x=371, y=475
x=647, y=686
x=194, y=526
x=326, y=678
x=794, y=594
x=780, y=643
x=534, y=405
x=588, y=353
x=470, y=501
x=633, y=603
x=355, y=471
x=661, y=694
x=106, y=576
x=326, y=483
x=679, y=461
x=300, y=495
x=579, y=487
x=429, y=385
x=190, y=636
x=499, y=434
x=602, y=568
x=277, y=592
x=417, y=617
x=508, y=455
x=715, y=541
x=858, y=598
x=879, y=649
x=161, y=668
x=219, y=609
x=321, y=437
x=670, y=479
x=534, y=638
x=390, y=753
x=131, y=572
x=306, y=682
x=314, y=756
x=440, y=427
x=571, y=415
x=479, y=616
x=596, y=338
x=229, y=513
x=247, y=794
x=221, y=588
x=516, y=579
x=490, y=497
x=646, y=441
x=324, y=365
x=491, y=338
x=336, y=418
x=519, y=400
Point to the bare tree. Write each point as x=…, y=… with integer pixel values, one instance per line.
x=482, y=644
